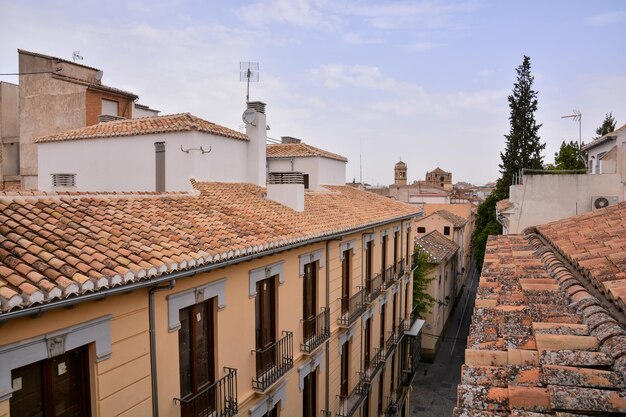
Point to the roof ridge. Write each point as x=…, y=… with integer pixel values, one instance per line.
x=600, y=322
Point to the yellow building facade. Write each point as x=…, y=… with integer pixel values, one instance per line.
x=317, y=324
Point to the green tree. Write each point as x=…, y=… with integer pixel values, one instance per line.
x=607, y=126
x=422, y=301
x=523, y=150
x=523, y=144
x=569, y=156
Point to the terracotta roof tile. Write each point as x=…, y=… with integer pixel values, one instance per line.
x=438, y=247
x=144, y=126
x=93, y=241
x=595, y=243
x=537, y=333
x=293, y=150
x=457, y=221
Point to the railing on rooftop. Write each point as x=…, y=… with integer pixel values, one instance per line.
x=285, y=178
x=315, y=331
x=518, y=177
x=352, y=308
x=348, y=406
x=374, y=287
x=216, y=400
x=273, y=362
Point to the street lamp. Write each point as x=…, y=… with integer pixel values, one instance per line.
x=576, y=116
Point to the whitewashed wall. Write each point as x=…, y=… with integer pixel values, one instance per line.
x=320, y=170
x=128, y=163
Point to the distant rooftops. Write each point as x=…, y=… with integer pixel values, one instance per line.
x=457, y=221
x=146, y=125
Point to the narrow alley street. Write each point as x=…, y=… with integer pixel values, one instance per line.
x=435, y=387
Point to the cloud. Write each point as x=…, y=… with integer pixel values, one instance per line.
x=608, y=18
x=299, y=13
x=419, y=46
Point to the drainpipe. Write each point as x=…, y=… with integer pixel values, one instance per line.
x=153, y=364
x=328, y=341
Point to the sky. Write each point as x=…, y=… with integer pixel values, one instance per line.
x=376, y=81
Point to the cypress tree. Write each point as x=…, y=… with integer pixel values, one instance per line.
x=523, y=144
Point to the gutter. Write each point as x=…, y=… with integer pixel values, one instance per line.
x=153, y=361
x=68, y=302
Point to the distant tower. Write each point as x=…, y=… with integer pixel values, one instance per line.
x=400, y=173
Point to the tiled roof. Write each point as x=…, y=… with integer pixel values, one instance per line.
x=457, y=221
x=53, y=247
x=504, y=204
x=437, y=246
x=294, y=150
x=602, y=139
x=539, y=343
x=595, y=243
x=144, y=126
x=438, y=171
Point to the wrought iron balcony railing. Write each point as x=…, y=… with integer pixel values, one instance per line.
x=273, y=361
x=348, y=406
x=400, y=269
x=410, y=360
x=352, y=308
x=392, y=341
x=388, y=278
x=414, y=258
x=315, y=331
x=394, y=402
x=218, y=399
x=373, y=287
x=376, y=362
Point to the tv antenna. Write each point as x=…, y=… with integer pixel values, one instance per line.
x=248, y=72
x=76, y=56
x=576, y=116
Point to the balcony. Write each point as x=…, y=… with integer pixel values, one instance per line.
x=352, y=308
x=348, y=406
x=315, y=331
x=400, y=268
x=394, y=403
x=273, y=362
x=414, y=258
x=217, y=400
x=392, y=341
x=374, y=287
x=410, y=360
x=376, y=362
x=387, y=277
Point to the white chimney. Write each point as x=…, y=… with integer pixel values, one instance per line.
x=256, y=129
x=287, y=188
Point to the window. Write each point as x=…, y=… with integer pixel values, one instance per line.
x=345, y=281
x=407, y=302
x=591, y=163
x=368, y=344
x=598, y=159
x=381, y=378
x=309, y=394
x=265, y=306
x=396, y=242
x=446, y=230
x=408, y=245
x=309, y=299
x=393, y=311
x=421, y=229
x=382, y=326
x=110, y=107
x=57, y=386
x=345, y=368
x=383, y=254
x=159, y=154
x=196, y=342
x=393, y=373
x=368, y=266
x=306, y=181
x=272, y=413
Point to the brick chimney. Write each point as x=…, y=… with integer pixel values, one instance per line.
x=256, y=129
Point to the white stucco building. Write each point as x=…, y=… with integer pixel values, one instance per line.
x=541, y=199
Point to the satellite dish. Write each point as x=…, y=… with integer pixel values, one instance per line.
x=99, y=75
x=249, y=116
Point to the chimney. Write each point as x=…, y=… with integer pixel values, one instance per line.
x=256, y=125
x=287, y=188
x=290, y=139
